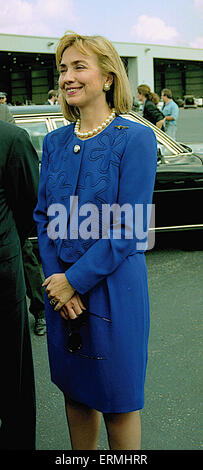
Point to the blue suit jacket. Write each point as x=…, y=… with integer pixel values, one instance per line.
x=116, y=166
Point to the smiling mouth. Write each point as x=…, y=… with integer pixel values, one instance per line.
x=72, y=91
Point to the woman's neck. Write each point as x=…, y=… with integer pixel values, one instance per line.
x=91, y=118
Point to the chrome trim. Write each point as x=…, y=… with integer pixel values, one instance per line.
x=176, y=228
x=173, y=228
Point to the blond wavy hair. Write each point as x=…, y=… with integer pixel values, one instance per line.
x=119, y=96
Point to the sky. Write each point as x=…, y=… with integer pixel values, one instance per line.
x=167, y=22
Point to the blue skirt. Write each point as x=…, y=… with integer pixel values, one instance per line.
x=108, y=372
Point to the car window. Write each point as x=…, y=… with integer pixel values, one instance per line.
x=163, y=150
x=59, y=122
x=37, y=132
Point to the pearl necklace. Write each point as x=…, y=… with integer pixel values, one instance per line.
x=94, y=131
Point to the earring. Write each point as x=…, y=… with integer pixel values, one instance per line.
x=106, y=87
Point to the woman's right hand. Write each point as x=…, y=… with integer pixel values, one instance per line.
x=73, y=308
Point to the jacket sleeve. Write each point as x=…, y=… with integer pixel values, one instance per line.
x=22, y=175
x=155, y=113
x=137, y=177
x=48, y=254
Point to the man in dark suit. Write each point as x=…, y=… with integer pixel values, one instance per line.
x=18, y=195
x=33, y=278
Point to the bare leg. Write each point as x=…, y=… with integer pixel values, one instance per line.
x=124, y=430
x=84, y=425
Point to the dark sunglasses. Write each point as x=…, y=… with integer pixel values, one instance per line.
x=74, y=342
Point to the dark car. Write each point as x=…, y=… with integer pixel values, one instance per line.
x=189, y=102
x=179, y=180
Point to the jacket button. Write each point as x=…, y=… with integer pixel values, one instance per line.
x=76, y=149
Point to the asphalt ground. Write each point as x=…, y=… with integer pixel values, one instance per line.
x=171, y=418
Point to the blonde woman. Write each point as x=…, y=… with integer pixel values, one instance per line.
x=96, y=291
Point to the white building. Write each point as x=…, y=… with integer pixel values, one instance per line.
x=28, y=71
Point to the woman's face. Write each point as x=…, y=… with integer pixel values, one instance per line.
x=81, y=80
x=140, y=96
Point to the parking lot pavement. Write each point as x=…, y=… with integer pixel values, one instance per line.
x=171, y=417
x=189, y=126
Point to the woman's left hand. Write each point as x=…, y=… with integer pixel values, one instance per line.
x=73, y=308
x=58, y=289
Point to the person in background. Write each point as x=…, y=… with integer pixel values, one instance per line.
x=150, y=101
x=3, y=97
x=35, y=291
x=170, y=110
x=52, y=97
x=33, y=277
x=19, y=176
x=96, y=294
x=5, y=114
